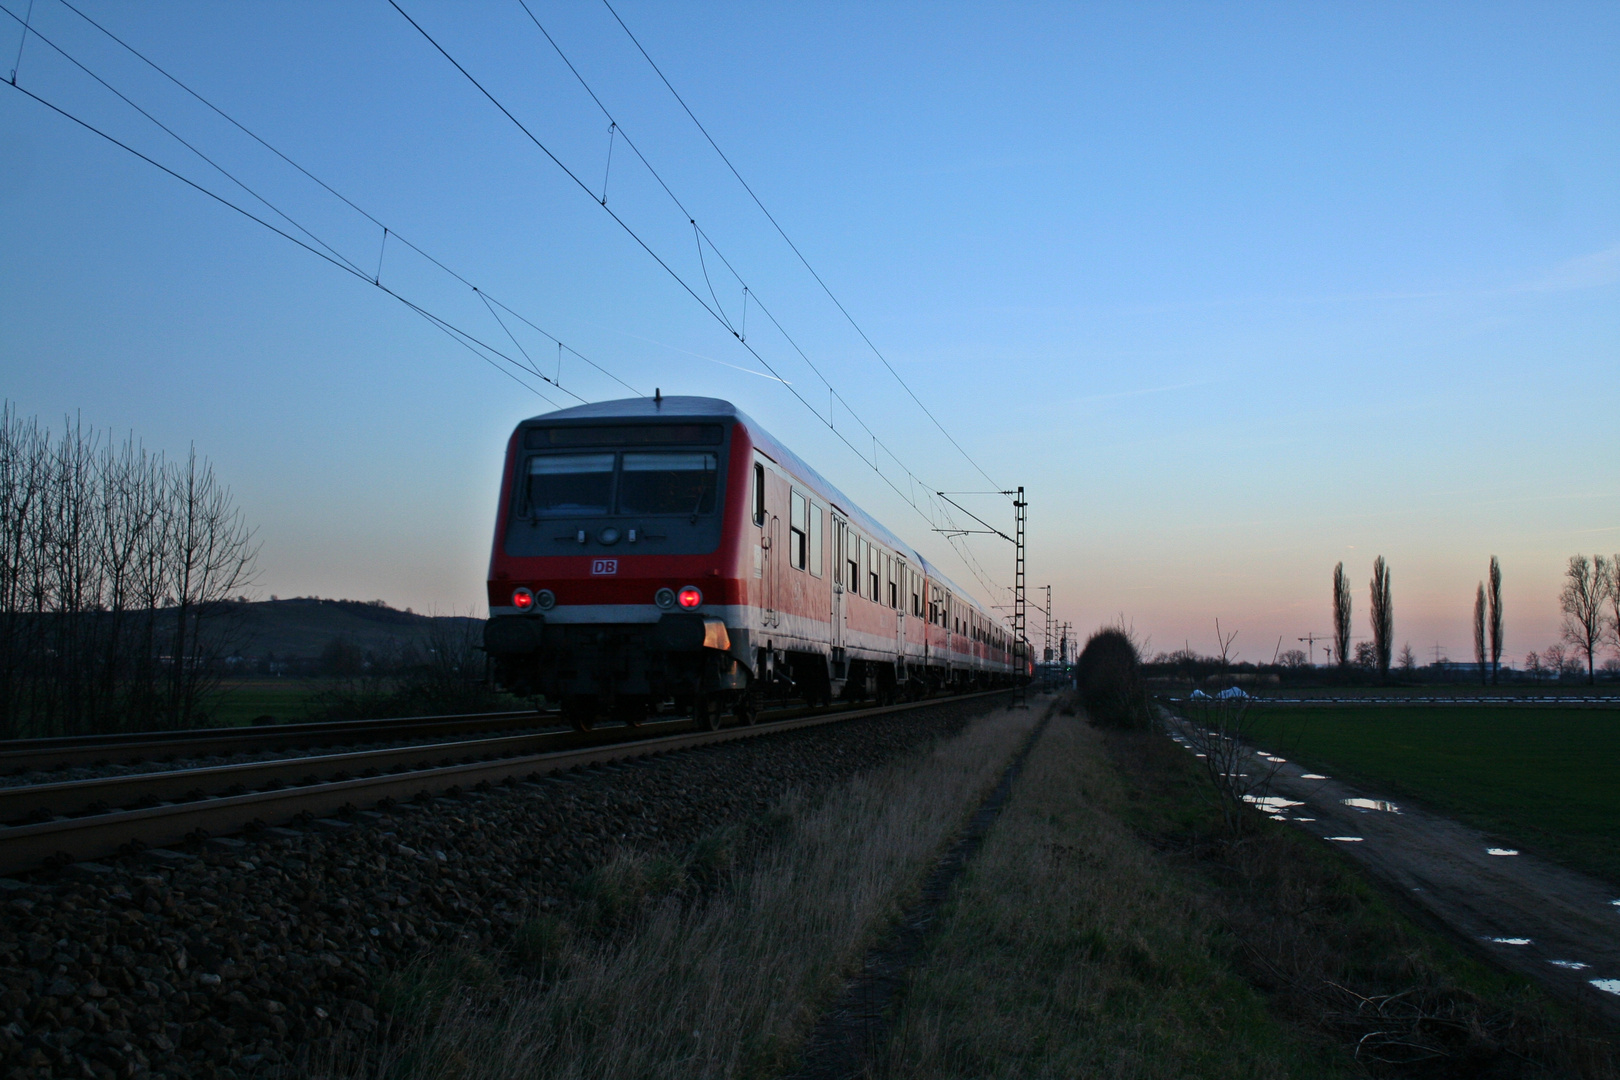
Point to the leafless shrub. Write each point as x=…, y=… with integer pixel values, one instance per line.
x=115, y=568
x=1218, y=730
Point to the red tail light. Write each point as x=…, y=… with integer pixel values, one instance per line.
x=689, y=597
x=522, y=599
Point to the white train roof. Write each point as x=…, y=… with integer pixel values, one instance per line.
x=677, y=407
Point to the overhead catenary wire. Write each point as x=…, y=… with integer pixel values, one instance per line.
x=716, y=310
x=485, y=351
x=663, y=263
x=387, y=231
x=462, y=337
x=789, y=241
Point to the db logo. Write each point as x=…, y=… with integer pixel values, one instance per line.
x=604, y=566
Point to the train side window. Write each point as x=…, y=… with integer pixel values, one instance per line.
x=894, y=585
x=759, y=494
x=864, y=560
x=916, y=596
x=872, y=557
x=852, y=562
x=815, y=539
x=798, y=530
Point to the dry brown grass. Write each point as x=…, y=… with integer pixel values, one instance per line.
x=1114, y=925
x=1069, y=950
x=644, y=979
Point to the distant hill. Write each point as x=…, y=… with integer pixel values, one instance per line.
x=300, y=628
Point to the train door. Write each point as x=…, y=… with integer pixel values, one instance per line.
x=839, y=561
x=898, y=599
x=773, y=572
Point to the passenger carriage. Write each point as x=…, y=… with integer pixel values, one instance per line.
x=656, y=550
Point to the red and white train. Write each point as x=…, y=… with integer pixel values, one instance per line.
x=660, y=549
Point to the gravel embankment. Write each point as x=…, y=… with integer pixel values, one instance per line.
x=237, y=958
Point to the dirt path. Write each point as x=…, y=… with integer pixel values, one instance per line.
x=1559, y=927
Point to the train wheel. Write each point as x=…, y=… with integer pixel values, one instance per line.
x=708, y=712
x=632, y=710
x=580, y=712
x=746, y=710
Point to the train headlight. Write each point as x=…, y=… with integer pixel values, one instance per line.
x=689, y=596
x=522, y=599
x=545, y=599
x=664, y=598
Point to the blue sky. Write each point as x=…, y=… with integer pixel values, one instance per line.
x=1236, y=291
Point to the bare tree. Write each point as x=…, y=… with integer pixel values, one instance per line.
x=1614, y=603
x=1225, y=640
x=1383, y=617
x=1341, y=616
x=1408, y=659
x=1479, y=630
x=1586, y=588
x=1495, y=597
x=114, y=569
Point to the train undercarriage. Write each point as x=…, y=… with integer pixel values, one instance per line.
x=689, y=665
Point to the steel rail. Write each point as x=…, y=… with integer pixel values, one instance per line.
x=24, y=802
x=17, y=755
x=131, y=789
x=96, y=835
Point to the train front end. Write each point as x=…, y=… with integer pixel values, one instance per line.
x=615, y=583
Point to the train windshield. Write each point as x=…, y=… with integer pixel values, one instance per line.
x=569, y=484
x=671, y=483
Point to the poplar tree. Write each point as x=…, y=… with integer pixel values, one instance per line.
x=1479, y=630
x=1495, y=598
x=1341, y=616
x=1383, y=617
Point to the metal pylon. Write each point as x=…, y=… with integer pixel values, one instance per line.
x=1020, y=611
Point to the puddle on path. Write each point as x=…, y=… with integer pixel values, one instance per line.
x=1313, y=776
x=1501, y=851
x=1611, y=985
x=1511, y=940
x=1304, y=819
x=1345, y=839
x=1274, y=759
x=1372, y=804
x=1271, y=804
x=1573, y=965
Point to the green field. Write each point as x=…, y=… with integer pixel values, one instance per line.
x=241, y=700
x=1547, y=779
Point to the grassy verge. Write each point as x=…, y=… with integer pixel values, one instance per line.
x=1547, y=779
x=1107, y=928
x=672, y=967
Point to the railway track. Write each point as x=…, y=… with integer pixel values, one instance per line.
x=25, y=755
x=107, y=815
